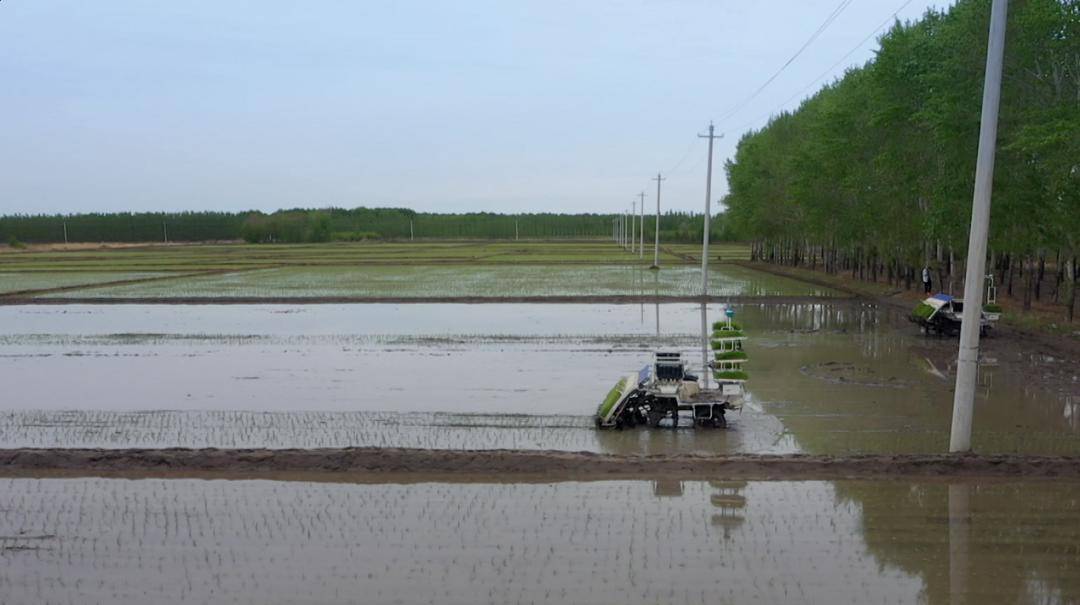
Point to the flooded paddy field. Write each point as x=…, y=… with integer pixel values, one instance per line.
x=460, y=281
x=11, y=282
x=98, y=540
x=826, y=378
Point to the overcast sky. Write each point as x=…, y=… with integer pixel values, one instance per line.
x=497, y=105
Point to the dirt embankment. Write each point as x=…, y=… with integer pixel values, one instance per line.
x=502, y=465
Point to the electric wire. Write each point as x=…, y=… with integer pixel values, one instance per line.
x=828, y=71
x=813, y=37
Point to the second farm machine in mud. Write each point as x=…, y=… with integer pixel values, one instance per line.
x=659, y=393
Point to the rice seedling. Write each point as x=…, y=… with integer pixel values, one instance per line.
x=92, y=540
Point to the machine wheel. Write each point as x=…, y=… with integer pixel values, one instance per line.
x=719, y=420
x=655, y=418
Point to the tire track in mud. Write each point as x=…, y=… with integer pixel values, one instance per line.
x=507, y=465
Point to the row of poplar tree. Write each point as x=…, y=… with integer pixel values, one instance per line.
x=333, y=224
x=874, y=174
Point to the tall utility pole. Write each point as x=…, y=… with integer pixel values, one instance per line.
x=656, y=245
x=165, y=231
x=705, y=260
x=641, y=234
x=412, y=235
x=517, y=234
x=708, y=214
x=967, y=366
x=624, y=229
x=65, y=232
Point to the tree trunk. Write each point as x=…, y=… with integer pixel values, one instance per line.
x=1027, y=273
x=1010, y=271
x=1039, y=277
x=952, y=272
x=1075, y=271
x=1059, y=278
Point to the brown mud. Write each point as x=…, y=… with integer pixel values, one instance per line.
x=525, y=465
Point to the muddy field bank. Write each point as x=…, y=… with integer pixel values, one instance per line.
x=511, y=464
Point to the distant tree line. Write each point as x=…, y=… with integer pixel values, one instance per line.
x=121, y=227
x=874, y=174
x=336, y=224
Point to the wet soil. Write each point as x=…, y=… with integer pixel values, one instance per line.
x=553, y=465
x=1055, y=344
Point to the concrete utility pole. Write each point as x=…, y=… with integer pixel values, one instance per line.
x=517, y=234
x=656, y=245
x=633, y=217
x=708, y=213
x=412, y=235
x=705, y=260
x=624, y=229
x=641, y=234
x=65, y=232
x=165, y=231
x=967, y=366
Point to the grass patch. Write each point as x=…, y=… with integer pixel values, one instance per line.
x=731, y=356
x=730, y=375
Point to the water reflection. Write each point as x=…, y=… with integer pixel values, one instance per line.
x=729, y=498
x=607, y=541
x=967, y=542
x=973, y=542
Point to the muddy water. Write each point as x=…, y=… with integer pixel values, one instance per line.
x=860, y=379
x=825, y=378
x=194, y=541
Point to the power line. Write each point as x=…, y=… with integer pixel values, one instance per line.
x=828, y=71
x=690, y=148
x=817, y=33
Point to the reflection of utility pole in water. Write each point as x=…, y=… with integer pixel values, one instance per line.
x=656, y=293
x=959, y=537
x=704, y=347
x=641, y=293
